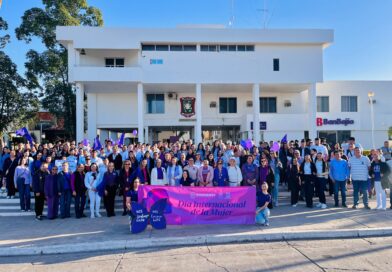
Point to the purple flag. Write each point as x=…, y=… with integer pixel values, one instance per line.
x=120, y=142
x=85, y=142
x=25, y=133
x=97, y=144
x=275, y=147
x=284, y=139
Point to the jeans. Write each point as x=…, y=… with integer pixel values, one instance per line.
x=340, y=185
x=95, y=202
x=360, y=186
x=380, y=195
x=65, y=203
x=275, y=190
x=24, y=195
x=321, y=183
x=263, y=216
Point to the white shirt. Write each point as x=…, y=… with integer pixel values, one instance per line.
x=235, y=175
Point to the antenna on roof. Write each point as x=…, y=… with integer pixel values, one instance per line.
x=231, y=21
x=265, y=12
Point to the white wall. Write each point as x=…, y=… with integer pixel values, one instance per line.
x=95, y=57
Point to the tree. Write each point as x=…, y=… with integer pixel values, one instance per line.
x=17, y=104
x=47, y=72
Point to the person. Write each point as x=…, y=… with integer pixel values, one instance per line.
x=379, y=171
x=116, y=158
x=132, y=194
x=221, y=176
x=192, y=169
x=339, y=173
x=205, y=175
x=234, y=173
x=9, y=167
x=294, y=181
x=386, y=151
x=249, y=172
x=39, y=180
x=91, y=181
x=263, y=200
x=321, y=180
x=186, y=180
x=125, y=183
x=22, y=181
x=276, y=167
x=109, y=184
x=51, y=193
x=389, y=163
x=308, y=173
x=142, y=173
x=64, y=190
x=359, y=170
x=158, y=174
x=79, y=191
x=174, y=173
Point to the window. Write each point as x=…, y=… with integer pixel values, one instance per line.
x=322, y=103
x=114, y=62
x=349, y=104
x=268, y=104
x=227, y=105
x=241, y=48
x=176, y=47
x=232, y=48
x=276, y=64
x=148, y=47
x=189, y=47
x=162, y=47
x=203, y=48
x=155, y=103
x=250, y=48
x=223, y=47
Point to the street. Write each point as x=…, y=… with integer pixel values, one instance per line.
x=370, y=254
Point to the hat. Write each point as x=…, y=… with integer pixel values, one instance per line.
x=232, y=158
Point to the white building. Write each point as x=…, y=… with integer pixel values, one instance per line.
x=137, y=79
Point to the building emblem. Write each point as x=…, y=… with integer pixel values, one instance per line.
x=187, y=106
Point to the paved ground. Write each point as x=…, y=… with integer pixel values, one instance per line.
x=371, y=254
x=25, y=232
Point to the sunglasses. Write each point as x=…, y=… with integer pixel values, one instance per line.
x=127, y=164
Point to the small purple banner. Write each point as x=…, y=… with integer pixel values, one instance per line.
x=202, y=205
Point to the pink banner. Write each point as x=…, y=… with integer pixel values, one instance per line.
x=203, y=205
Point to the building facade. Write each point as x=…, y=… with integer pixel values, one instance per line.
x=216, y=83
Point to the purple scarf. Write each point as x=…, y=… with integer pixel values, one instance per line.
x=160, y=173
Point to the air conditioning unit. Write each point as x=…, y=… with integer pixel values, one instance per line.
x=172, y=96
x=373, y=101
x=287, y=103
x=212, y=104
x=249, y=103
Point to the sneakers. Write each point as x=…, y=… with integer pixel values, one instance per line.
x=354, y=207
x=124, y=213
x=98, y=215
x=367, y=207
x=38, y=218
x=266, y=224
x=295, y=205
x=12, y=197
x=324, y=206
x=319, y=205
x=344, y=206
x=8, y=197
x=92, y=216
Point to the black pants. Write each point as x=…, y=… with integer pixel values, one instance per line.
x=309, y=190
x=39, y=204
x=294, y=188
x=80, y=202
x=321, y=182
x=11, y=190
x=109, y=200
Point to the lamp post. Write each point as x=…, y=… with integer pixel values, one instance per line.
x=371, y=95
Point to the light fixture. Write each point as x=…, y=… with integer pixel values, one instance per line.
x=83, y=52
x=370, y=94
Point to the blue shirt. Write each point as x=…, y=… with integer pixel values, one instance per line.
x=262, y=198
x=338, y=170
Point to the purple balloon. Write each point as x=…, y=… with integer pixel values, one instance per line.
x=134, y=132
x=275, y=147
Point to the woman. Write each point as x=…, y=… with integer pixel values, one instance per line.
x=9, y=167
x=79, y=190
x=186, y=179
x=215, y=149
x=221, y=176
x=132, y=194
x=125, y=182
x=249, y=172
x=321, y=180
x=110, y=185
x=174, y=173
x=308, y=173
x=234, y=173
x=51, y=193
x=36, y=165
x=200, y=150
x=276, y=167
x=22, y=181
x=294, y=181
x=211, y=160
x=190, y=154
x=379, y=171
x=158, y=174
x=183, y=162
x=91, y=181
x=263, y=201
x=205, y=175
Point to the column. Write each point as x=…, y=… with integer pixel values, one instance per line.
x=256, y=114
x=79, y=112
x=146, y=135
x=91, y=116
x=198, y=138
x=140, y=112
x=312, y=111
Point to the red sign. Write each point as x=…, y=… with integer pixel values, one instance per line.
x=345, y=122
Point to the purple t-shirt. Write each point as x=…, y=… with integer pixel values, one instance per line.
x=262, y=199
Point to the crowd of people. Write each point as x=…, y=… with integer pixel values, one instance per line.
x=65, y=171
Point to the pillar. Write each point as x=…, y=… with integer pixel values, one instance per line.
x=79, y=112
x=147, y=135
x=140, y=113
x=198, y=138
x=312, y=111
x=256, y=113
x=91, y=116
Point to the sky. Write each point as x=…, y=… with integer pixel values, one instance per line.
x=362, y=48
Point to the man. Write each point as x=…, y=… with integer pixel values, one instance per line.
x=389, y=163
x=339, y=173
x=79, y=191
x=320, y=148
x=386, y=151
x=95, y=159
x=351, y=141
x=359, y=170
x=303, y=150
x=64, y=189
x=39, y=190
x=116, y=158
x=192, y=169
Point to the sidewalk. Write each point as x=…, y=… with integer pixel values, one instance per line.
x=22, y=235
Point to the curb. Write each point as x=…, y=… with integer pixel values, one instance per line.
x=193, y=241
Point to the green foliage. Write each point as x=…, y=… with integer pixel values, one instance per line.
x=390, y=132
x=47, y=72
x=4, y=39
